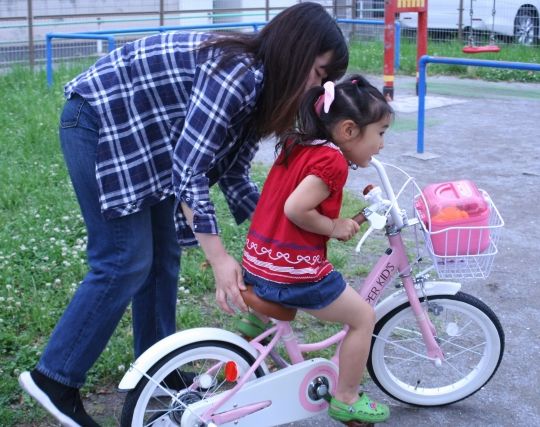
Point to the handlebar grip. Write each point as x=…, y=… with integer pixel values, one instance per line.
x=367, y=189
x=359, y=218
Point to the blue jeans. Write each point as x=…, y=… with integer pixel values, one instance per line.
x=135, y=258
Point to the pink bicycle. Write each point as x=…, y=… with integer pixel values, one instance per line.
x=432, y=344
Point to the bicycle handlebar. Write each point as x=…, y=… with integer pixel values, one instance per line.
x=389, y=206
x=395, y=212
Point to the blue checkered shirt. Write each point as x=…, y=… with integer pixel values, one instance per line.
x=173, y=123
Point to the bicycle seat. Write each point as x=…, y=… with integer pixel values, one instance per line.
x=269, y=308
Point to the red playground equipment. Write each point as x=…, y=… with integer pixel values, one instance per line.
x=391, y=8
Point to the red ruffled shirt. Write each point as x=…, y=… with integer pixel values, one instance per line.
x=277, y=249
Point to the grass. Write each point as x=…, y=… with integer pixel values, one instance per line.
x=42, y=236
x=365, y=56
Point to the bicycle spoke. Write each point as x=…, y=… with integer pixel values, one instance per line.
x=400, y=365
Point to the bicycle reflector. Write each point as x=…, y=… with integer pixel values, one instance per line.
x=231, y=371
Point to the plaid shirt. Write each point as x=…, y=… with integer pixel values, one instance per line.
x=173, y=123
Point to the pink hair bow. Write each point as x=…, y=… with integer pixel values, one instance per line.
x=325, y=100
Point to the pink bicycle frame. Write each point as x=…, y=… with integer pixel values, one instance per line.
x=393, y=263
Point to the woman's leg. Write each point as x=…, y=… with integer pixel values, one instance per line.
x=119, y=252
x=352, y=310
x=154, y=304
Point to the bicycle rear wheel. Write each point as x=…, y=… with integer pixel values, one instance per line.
x=469, y=334
x=192, y=373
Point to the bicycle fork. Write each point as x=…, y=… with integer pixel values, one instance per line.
x=395, y=262
x=429, y=333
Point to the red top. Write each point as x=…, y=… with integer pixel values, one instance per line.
x=278, y=250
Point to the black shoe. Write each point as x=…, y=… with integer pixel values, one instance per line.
x=62, y=402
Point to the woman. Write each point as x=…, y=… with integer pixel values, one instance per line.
x=145, y=132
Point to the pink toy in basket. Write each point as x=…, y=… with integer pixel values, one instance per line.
x=458, y=218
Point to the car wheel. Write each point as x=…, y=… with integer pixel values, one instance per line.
x=526, y=26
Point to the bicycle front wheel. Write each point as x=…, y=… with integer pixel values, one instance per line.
x=187, y=375
x=469, y=334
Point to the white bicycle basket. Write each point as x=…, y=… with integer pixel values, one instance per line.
x=462, y=251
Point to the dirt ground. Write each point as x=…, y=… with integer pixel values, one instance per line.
x=487, y=132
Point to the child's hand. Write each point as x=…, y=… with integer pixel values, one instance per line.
x=344, y=229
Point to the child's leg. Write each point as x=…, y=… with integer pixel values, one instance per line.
x=350, y=309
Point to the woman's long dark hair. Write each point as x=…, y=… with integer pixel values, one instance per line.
x=287, y=46
x=355, y=99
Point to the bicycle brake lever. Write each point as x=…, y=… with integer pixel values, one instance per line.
x=376, y=222
x=363, y=239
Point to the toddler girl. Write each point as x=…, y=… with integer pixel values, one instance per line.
x=285, y=255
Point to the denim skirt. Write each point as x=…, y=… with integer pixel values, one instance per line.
x=311, y=295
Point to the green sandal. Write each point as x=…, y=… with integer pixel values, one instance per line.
x=251, y=326
x=363, y=410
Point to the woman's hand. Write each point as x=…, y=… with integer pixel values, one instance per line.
x=227, y=271
x=229, y=283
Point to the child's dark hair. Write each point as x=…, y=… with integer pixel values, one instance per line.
x=355, y=99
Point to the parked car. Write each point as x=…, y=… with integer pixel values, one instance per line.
x=518, y=19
